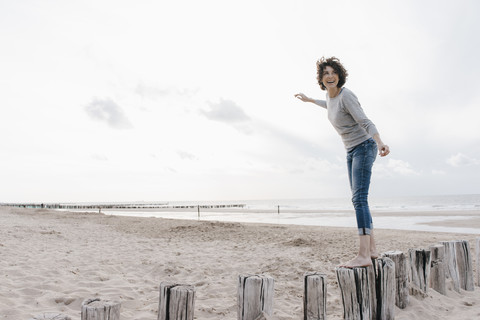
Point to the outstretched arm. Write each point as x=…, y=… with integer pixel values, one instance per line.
x=304, y=98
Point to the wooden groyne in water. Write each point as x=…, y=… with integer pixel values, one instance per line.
x=77, y=206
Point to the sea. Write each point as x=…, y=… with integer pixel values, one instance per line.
x=414, y=213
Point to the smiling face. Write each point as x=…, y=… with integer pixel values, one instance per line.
x=331, y=74
x=330, y=78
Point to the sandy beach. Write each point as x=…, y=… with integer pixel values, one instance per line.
x=51, y=261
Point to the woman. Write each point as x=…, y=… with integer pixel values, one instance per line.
x=361, y=140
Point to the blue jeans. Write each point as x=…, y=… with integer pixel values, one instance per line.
x=359, y=162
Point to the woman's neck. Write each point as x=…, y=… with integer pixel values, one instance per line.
x=333, y=92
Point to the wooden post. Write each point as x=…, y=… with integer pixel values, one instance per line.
x=176, y=302
x=385, y=285
x=97, y=309
x=255, y=296
x=315, y=296
x=451, y=264
x=478, y=260
x=51, y=316
x=437, y=271
x=401, y=277
x=355, y=288
x=420, y=261
x=372, y=281
x=464, y=265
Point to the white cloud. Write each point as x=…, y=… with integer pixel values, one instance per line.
x=401, y=167
x=186, y=155
x=227, y=111
x=324, y=166
x=106, y=110
x=99, y=157
x=395, y=166
x=461, y=160
x=151, y=92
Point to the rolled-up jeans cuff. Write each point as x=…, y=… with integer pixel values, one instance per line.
x=364, y=231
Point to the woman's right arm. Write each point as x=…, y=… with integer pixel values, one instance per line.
x=304, y=98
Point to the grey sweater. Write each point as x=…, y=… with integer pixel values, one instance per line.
x=348, y=118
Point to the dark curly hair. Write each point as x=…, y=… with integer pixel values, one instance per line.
x=336, y=65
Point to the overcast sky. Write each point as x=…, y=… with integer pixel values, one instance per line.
x=193, y=100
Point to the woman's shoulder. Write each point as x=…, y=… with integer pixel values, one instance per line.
x=348, y=99
x=348, y=92
x=347, y=95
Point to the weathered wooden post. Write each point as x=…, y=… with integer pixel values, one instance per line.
x=176, y=302
x=97, y=309
x=385, y=285
x=51, y=316
x=420, y=261
x=255, y=296
x=464, y=265
x=451, y=264
x=315, y=296
x=437, y=271
x=355, y=288
x=478, y=260
x=372, y=280
x=401, y=277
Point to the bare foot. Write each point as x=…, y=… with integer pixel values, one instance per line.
x=357, y=262
x=373, y=254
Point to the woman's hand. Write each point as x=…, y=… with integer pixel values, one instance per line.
x=383, y=150
x=303, y=97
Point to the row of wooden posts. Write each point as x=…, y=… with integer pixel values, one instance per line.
x=368, y=293
x=120, y=206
